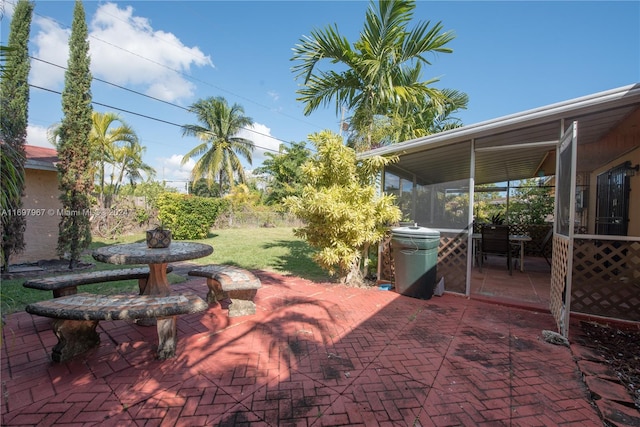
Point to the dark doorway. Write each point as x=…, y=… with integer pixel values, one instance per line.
x=612, y=208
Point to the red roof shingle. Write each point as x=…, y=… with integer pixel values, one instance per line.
x=40, y=157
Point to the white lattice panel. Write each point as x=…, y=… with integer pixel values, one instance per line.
x=558, y=279
x=606, y=278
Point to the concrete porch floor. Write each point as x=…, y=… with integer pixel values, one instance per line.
x=529, y=289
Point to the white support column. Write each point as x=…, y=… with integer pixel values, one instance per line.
x=472, y=180
x=414, y=198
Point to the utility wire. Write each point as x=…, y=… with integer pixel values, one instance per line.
x=190, y=77
x=150, y=97
x=112, y=84
x=62, y=25
x=162, y=120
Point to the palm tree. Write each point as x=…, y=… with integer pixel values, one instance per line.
x=220, y=148
x=379, y=73
x=412, y=120
x=127, y=160
x=433, y=119
x=106, y=139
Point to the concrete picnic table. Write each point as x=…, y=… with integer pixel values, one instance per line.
x=156, y=258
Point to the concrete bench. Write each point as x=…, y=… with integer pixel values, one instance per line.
x=67, y=284
x=229, y=282
x=77, y=316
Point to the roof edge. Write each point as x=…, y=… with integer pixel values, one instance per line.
x=623, y=95
x=40, y=165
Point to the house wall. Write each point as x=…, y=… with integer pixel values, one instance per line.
x=634, y=205
x=41, y=233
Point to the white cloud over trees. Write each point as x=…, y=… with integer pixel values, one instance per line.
x=124, y=49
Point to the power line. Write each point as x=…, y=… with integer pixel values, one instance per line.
x=161, y=120
x=62, y=25
x=112, y=84
x=150, y=97
x=146, y=116
x=190, y=77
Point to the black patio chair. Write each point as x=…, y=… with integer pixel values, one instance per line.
x=541, y=248
x=495, y=241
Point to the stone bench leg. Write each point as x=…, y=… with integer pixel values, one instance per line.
x=215, y=293
x=242, y=302
x=74, y=337
x=167, y=337
x=70, y=290
x=142, y=284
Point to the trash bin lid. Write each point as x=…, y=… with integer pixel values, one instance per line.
x=415, y=231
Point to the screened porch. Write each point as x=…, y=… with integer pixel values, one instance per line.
x=585, y=151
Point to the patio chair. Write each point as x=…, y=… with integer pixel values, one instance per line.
x=495, y=241
x=541, y=249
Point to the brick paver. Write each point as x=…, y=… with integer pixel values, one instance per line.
x=312, y=355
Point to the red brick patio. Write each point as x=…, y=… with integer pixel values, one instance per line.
x=314, y=354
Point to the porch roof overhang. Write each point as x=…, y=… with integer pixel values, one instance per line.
x=516, y=146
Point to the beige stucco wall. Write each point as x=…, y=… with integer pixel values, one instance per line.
x=41, y=234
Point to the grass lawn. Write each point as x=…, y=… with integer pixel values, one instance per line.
x=271, y=249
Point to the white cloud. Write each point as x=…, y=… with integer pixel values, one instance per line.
x=172, y=87
x=124, y=49
x=171, y=168
x=7, y=9
x=37, y=135
x=51, y=43
x=173, y=172
x=263, y=141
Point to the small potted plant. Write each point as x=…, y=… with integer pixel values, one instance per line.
x=158, y=237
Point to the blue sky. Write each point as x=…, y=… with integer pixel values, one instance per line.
x=508, y=57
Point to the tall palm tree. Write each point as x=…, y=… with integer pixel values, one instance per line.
x=106, y=138
x=379, y=73
x=221, y=148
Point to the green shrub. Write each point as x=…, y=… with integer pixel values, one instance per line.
x=141, y=216
x=189, y=217
x=344, y=214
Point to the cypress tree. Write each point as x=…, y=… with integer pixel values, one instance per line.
x=75, y=168
x=14, y=101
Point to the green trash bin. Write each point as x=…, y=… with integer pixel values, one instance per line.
x=415, y=257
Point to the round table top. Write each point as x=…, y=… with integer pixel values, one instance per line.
x=139, y=253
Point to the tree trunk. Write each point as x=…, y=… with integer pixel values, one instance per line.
x=120, y=176
x=353, y=277
x=365, y=259
x=102, y=200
